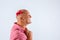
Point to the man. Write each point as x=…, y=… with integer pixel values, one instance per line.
x=19, y=30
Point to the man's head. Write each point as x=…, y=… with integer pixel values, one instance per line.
x=23, y=17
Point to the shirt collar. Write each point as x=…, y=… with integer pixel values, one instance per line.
x=18, y=26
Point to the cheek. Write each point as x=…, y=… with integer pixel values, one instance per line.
x=25, y=18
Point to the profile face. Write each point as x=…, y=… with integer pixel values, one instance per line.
x=28, y=18
x=25, y=17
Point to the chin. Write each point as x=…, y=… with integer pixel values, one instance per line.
x=29, y=22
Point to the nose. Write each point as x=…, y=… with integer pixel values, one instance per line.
x=30, y=16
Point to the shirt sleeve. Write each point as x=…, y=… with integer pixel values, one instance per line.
x=16, y=35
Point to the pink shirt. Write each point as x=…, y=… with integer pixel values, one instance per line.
x=17, y=33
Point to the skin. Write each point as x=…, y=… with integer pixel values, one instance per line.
x=24, y=19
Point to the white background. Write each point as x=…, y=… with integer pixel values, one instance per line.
x=45, y=18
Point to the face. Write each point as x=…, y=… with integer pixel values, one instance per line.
x=25, y=18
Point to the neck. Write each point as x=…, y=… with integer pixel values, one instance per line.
x=23, y=26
